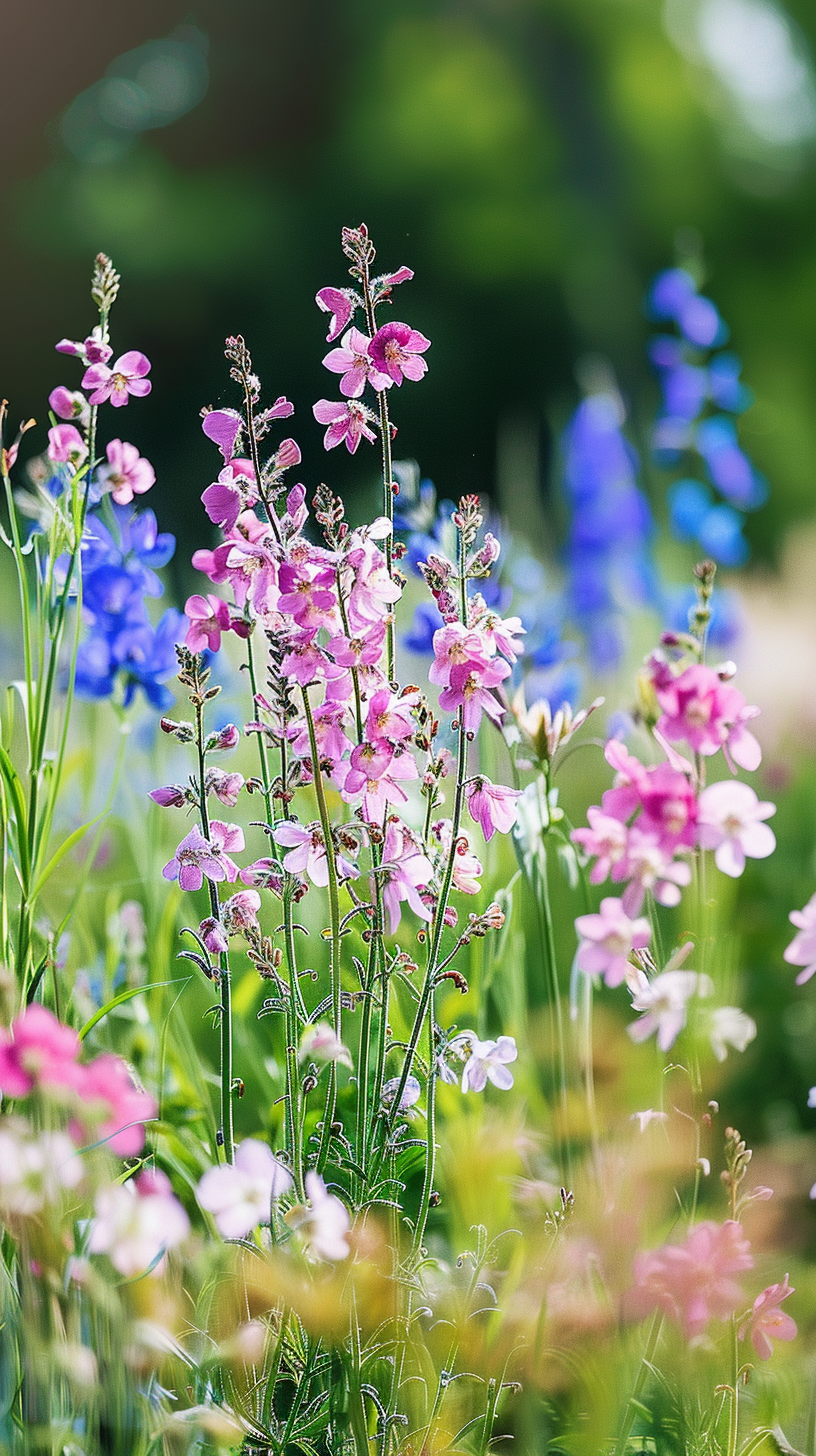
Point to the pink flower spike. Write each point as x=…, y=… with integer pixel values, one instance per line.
x=607, y=941
x=396, y=348
x=209, y=617
x=767, y=1321
x=492, y=806
x=347, y=420
x=802, y=949
x=340, y=304
x=116, y=384
x=127, y=472
x=223, y=426
x=66, y=446
x=730, y=822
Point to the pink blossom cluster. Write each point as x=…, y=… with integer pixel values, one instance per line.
x=40, y=1054
x=126, y=473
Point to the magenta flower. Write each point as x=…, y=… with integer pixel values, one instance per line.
x=767, y=1321
x=340, y=303
x=802, y=949
x=396, y=348
x=374, y=769
x=91, y=351
x=69, y=404
x=468, y=689
x=209, y=617
x=231, y=494
x=692, y=1282
x=454, y=645
x=127, y=472
x=347, y=420
x=492, y=806
x=287, y=455
x=405, y=870
x=731, y=823
x=223, y=426
x=309, y=597
x=353, y=360
x=389, y=716
x=38, y=1050
x=195, y=858
x=213, y=935
x=66, y=446
x=709, y=714
x=607, y=941
x=116, y=384
x=117, y=1107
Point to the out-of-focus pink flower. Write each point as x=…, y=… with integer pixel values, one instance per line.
x=137, y=1222
x=35, y=1168
x=729, y=1026
x=396, y=350
x=607, y=941
x=126, y=377
x=240, y=1196
x=66, y=446
x=69, y=404
x=116, y=1106
x=38, y=1050
x=223, y=426
x=325, y=1225
x=605, y=840
x=488, y=1063
x=321, y=1043
x=340, y=304
x=209, y=616
x=347, y=420
x=767, y=1321
x=469, y=689
x=664, y=1003
x=405, y=870
x=730, y=822
x=692, y=1282
x=802, y=949
x=127, y=472
x=647, y=865
x=492, y=806
x=354, y=362
x=195, y=858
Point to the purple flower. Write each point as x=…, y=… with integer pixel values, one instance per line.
x=209, y=617
x=396, y=348
x=488, y=1062
x=347, y=420
x=195, y=858
x=125, y=378
x=223, y=427
x=170, y=797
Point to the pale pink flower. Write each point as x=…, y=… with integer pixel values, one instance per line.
x=767, y=1321
x=488, y=1063
x=730, y=822
x=169, y=797
x=802, y=949
x=607, y=941
x=604, y=841
x=499, y=632
x=692, y=1282
x=320, y=1042
x=405, y=870
x=324, y=1226
x=126, y=377
x=115, y=1105
x=35, y=1168
x=37, y=1051
x=396, y=348
x=647, y=865
x=347, y=420
x=225, y=786
x=307, y=853
x=136, y=1223
x=492, y=806
x=339, y=302
x=544, y=731
x=240, y=1195
x=411, y=1092
x=240, y=912
x=127, y=472
x=729, y=1026
x=356, y=365
x=664, y=1003
x=209, y=616
x=646, y=1118
x=372, y=590
x=469, y=689
x=466, y=867
x=66, y=446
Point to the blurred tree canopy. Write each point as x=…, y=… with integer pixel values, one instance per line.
x=535, y=162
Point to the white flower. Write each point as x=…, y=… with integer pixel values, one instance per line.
x=322, y=1044
x=35, y=1169
x=664, y=1003
x=648, y=1117
x=488, y=1061
x=240, y=1195
x=811, y=1102
x=730, y=822
x=137, y=1222
x=325, y=1225
x=411, y=1092
x=730, y=1027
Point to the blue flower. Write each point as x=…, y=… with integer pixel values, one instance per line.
x=427, y=620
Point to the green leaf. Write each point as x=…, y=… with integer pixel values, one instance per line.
x=67, y=845
x=15, y=788
x=127, y=996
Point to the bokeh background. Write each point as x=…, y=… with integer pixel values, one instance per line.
x=536, y=162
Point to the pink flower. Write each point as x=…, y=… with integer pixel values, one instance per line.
x=339, y=302
x=389, y=716
x=354, y=362
x=468, y=689
x=375, y=768
x=395, y=349
x=309, y=597
x=691, y=1282
x=91, y=351
x=607, y=941
x=730, y=823
x=125, y=378
x=232, y=493
x=767, y=1321
x=347, y=420
x=66, y=446
x=170, y=797
x=137, y=1222
x=127, y=472
x=195, y=858
x=225, y=786
x=307, y=854
x=491, y=806
x=287, y=455
x=708, y=713
x=802, y=949
x=454, y=645
x=213, y=935
x=240, y=1196
x=240, y=912
x=605, y=842
x=114, y=1104
x=38, y=1050
x=223, y=426
x=648, y=865
x=69, y=404
x=209, y=617
x=663, y=1002
x=404, y=871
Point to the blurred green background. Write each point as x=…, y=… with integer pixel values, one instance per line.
x=535, y=161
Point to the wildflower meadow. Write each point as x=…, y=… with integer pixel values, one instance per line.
x=376, y=1036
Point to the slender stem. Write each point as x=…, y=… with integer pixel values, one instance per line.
x=224, y=965
x=387, y=466
x=733, y=1407
x=430, y=1137
x=542, y=876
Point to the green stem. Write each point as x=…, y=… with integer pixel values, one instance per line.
x=545, y=907
x=640, y=1380
x=225, y=1028
x=733, y=1406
